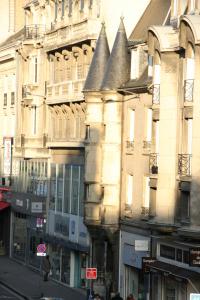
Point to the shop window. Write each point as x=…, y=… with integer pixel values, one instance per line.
x=167, y=252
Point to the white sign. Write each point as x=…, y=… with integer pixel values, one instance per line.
x=7, y=156
x=194, y=296
x=36, y=207
x=41, y=254
x=19, y=202
x=141, y=245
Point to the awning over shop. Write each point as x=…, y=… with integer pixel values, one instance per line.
x=3, y=205
x=174, y=271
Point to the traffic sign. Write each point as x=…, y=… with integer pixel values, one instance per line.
x=91, y=273
x=41, y=250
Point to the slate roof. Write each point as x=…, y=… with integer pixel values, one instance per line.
x=118, y=67
x=98, y=64
x=155, y=14
x=15, y=37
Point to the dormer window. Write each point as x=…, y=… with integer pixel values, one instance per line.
x=134, y=64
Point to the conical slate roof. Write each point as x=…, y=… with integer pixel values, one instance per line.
x=118, y=67
x=99, y=63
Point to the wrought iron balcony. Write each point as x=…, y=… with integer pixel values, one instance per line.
x=147, y=145
x=145, y=211
x=34, y=31
x=153, y=163
x=188, y=90
x=156, y=94
x=130, y=145
x=184, y=164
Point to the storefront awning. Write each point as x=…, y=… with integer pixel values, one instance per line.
x=3, y=205
x=175, y=271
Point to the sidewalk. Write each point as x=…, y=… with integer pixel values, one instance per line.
x=29, y=284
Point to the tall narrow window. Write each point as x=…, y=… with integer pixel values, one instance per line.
x=81, y=5
x=56, y=10
x=131, y=124
x=35, y=69
x=34, y=118
x=12, y=98
x=63, y=8
x=149, y=124
x=5, y=99
x=190, y=65
x=134, y=64
x=150, y=65
x=129, y=193
x=146, y=193
x=175, y=8
x=189, y=136
x=192, y=5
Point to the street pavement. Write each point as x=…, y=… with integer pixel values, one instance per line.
x=29, y=284
x=9, y=295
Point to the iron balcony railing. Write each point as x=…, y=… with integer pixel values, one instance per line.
x=34, y=31
x=184, y=164
x=145, y=211
x=153, y=163
x=156, y=94
x=130, y=145
x=188, y=90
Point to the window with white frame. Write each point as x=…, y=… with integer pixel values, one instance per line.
x=189, y=135
x=33, y=70
x=150, y=66
x=134, y=63
x=190, y=68
x=146, y=191
x=148, y=135
x=129, y=190
x=131, y=127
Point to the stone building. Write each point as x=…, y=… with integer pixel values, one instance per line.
x=53, y=55
x=143, y=146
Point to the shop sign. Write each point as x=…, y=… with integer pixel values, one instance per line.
x=36, y=207
x=19, y=202
x=141, y=245
x=7, y=156
x=147, y=262
x=91, y=273
x=194, y=296
x=194, y=257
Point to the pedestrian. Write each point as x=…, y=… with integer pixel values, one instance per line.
x=130, y=297
x=46, y=267
x=97, y=297
x=117, y=296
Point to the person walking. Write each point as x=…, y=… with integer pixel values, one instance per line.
x=46, y=267
x=117, y=297
x=130, y=297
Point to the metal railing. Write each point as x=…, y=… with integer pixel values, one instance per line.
x=145, y=211
x=188, y=90
x=156, y=94
x=153, y=163
x=34, y=31
x=147, y=145
x=130, y=145
x=184, y=164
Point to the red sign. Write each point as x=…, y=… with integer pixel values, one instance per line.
x=41, y=248
x=91, y=273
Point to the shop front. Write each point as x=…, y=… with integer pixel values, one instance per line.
x=68, y=247
x=27, y=227
x=132, y=278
